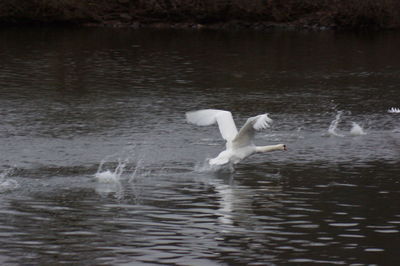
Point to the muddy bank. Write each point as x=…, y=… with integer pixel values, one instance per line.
x=225, y=14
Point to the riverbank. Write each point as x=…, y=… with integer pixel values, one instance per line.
x=225, y=14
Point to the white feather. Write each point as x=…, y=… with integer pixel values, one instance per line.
x=248, y=131
x=208, y=117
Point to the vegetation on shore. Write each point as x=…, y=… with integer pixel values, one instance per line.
x=340, y=14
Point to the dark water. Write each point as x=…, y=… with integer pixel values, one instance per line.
x=99, y=167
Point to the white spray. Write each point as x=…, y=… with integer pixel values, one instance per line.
x=334, y=124
x=357, y=130
x=108, y=176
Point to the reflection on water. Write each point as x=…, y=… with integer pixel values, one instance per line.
x=98, y=165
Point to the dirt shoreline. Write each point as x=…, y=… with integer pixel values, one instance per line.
x=206, y=14
x=229, y=25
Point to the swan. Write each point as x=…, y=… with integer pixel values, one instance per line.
x=239, y=144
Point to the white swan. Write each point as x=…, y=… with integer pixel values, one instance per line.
x=239, y=145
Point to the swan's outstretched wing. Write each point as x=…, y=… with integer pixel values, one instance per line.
x=207, y=117
x=247, y=132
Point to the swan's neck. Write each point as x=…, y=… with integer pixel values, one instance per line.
x=269, y=148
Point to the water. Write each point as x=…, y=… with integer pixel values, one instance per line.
x=357, y=130
x=98, y=166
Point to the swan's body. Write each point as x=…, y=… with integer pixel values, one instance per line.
x=239, y=144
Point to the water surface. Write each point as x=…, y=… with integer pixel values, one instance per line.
x=98, y=166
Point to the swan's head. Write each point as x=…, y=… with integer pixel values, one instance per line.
x=277, y=147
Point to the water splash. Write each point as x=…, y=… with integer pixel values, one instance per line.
x=7, y=184
x=129, y=166
x=119, y=179
x=394, y=110
x=205, y=167
x=334, y=124
x=139, y=171
x=357, y=130
x=108, y=176
x=108, y=181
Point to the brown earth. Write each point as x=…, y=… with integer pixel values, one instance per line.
x=231, y=14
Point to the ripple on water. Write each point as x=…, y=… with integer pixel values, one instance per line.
x=374, y=250
x=304, y=260
x=384, y=229
x=351, y=236
x=343, y=224
x=387, y=231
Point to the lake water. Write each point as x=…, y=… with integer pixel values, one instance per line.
x=99, y=167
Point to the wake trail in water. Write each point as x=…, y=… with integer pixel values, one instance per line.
x=6, y=183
